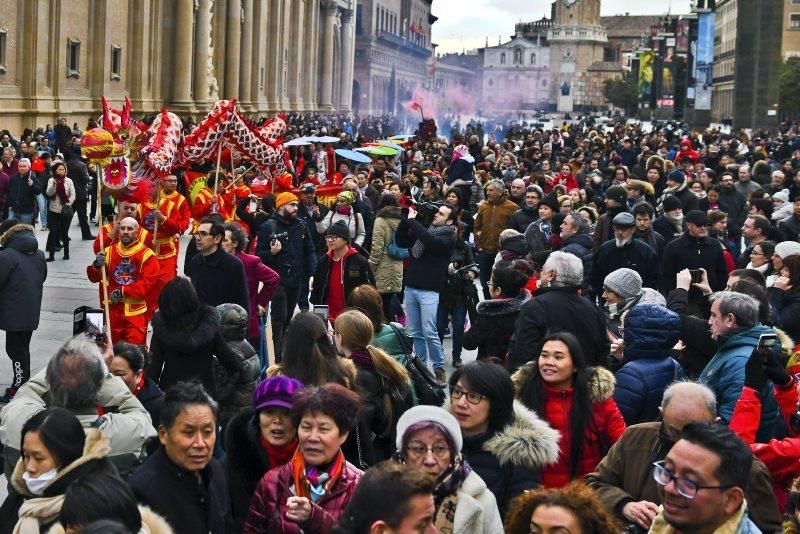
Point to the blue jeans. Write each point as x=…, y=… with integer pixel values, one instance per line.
x=459, y=312
x=24, y=218
x=485, y=263
x=421, y=308
x=42, y=201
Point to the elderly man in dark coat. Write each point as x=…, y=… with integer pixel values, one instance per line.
x=22, y=274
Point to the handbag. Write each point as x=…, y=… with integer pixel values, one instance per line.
x=67, y=211
x=394, y=251
x=428, y=389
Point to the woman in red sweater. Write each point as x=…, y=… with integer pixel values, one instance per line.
x=574, y=399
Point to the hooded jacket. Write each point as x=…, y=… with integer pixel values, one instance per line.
x=606, y=419
x=724, y=374
x=509, y=460
x=125, y=421
x=236, y=390
x=23, y=271
x=93, y=459
x=512, y=248
x=476, y=508
x=388, y=271
x=626, y=475
x=650, y=333
x=494, y=325
x=178, y=354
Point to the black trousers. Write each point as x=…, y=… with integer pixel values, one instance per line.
x=83, y=220
x=59, y=232
x=18, y=348
x=281, y=311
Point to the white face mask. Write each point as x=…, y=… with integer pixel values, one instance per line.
x=37, y=485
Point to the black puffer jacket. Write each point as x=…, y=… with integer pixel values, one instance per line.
x=494, y=326
x=179, y=354
x=581, y=245
x=23, y=271
x=523, y=218
x=238, y=391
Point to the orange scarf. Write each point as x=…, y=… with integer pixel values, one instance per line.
x=308, y=479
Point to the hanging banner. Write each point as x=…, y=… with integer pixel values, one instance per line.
x=645, y=74
x=704, y=60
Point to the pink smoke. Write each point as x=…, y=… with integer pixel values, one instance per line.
x=425, y=99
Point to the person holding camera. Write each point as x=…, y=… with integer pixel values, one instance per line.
x=431, y=247
x=286, y=246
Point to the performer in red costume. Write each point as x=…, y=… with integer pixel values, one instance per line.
x=178, y=222
x=132, y=272
x=206, y=202
x=110, y=231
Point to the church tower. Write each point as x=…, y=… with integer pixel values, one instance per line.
x=576, y=42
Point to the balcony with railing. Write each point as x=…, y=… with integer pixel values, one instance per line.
x=404, y=44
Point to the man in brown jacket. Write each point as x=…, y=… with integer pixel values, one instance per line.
x=624, y=479
x=493, y=217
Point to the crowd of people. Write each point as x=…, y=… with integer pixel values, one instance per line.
x=632, y=293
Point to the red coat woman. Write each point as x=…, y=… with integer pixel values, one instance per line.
x=574, y=399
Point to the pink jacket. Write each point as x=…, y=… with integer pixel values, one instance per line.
x=255, y=272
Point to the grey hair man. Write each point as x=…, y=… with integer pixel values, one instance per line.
x=77, y=379
x=734, y=324
x=624, y=478
x=558, y=305
x=575, y=235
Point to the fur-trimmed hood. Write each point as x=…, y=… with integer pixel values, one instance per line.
x=152, y=523
x=601, y=381
x=389, y=212
x=498, y=307
x=657, y=162
x=97, y=447
x=189, y=340
x=20, y=237
x=527, y=442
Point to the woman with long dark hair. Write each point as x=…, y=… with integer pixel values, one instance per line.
x=61, y=192
x=186, y=337
x=784, y=296
x=576, y=400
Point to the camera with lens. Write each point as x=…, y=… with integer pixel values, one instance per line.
x=426, y=211
x=282, y=237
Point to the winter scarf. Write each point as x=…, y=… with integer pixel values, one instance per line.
x=37, y=511
x=731, y=526
x=669, y=191
x=462, y=152
x=278, y=455
x=61, y=191
x=309, y=482
x=677, y=222
x=433, y=231
x=445, y=496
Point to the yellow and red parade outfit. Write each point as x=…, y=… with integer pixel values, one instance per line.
x=132, y=272
x=178, y=221
x=204, y=205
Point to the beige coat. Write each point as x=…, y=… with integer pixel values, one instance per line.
x=388, y=271
x=55, y=202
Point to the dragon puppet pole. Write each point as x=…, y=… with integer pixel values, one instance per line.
x=103, y=275
x=155, y=219
x=215, y=207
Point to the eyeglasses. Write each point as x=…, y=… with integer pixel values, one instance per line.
x=331, y=237
x=685, y=487
x=419, y=450
x=202, y=233
x=472, y=397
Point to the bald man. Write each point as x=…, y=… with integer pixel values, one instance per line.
x=132, y=272
x=110, y=231
x=624, y=478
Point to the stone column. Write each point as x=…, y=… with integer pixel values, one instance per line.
x=202, y=42
x=326, y=93
x=348, y=40
x=233, y=36
x=311, y=44
x=246, y=56
x=182, y=73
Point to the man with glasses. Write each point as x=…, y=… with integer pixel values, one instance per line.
x=528, y=212
x=624, y=478
x=218, y=277
x=702, y=482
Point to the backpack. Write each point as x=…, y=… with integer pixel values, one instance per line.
x=427, y=388
x=394, y=251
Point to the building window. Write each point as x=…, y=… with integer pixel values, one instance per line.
x=116, y=62
x=517, y=56
x=73, y=58
x=503, y=58
x=359, y=21
x=794, y=21
x=3, y=39
x=491, y=82
x=533, y=59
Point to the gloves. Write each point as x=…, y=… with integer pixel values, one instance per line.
x=115, y=296
x=775, y=371
x=754, y=376
x=99, y=260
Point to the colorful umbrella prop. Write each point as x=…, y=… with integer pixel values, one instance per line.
x=300, y=141
x=352, y=155
x=403, y=137
x=391, y=144
x=377, y=150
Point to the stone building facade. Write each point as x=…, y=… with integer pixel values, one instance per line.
x=272, y=55
x=394, y=54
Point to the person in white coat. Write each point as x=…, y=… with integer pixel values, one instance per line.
x=344, y=211
x=429, y=438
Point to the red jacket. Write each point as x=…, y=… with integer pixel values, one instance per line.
x=609, y=426
x=276, y=487
x=568, y=181
x=781, y=456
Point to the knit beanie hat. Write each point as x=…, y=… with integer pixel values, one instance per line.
x=284, y=198
x=782, y=195
x=671, y=203
x=617, y=193
x=339, y=229
x=677, y=176
x=787, y=248
x=345, y=197
x=276, y=391
x=433, y=414
x=551, y=201
x=624, y=282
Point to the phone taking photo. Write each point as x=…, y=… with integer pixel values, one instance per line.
x=766, y=343
x=321, y=311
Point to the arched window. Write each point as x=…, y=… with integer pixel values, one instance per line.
x=517, y=56
x=503, y=58
x=491, y=82
x=533, y=59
